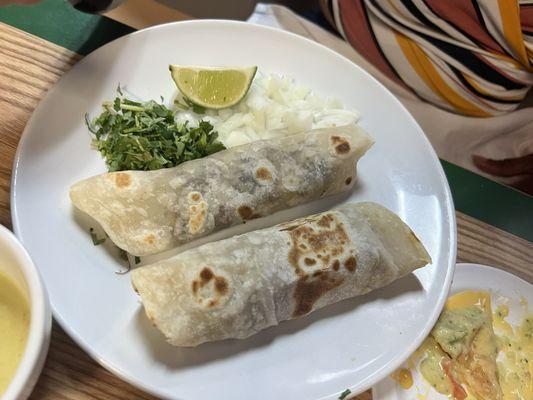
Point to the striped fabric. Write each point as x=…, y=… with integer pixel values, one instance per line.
x=472, y=57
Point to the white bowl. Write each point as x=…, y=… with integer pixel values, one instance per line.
x=17, y=264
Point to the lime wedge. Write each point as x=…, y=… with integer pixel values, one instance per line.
x=213, y=87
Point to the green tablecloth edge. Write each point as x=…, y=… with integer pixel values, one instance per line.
x=473, y=195
x=58, y=22
x=490, y=202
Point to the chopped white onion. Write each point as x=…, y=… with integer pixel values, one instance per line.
x=275, y=106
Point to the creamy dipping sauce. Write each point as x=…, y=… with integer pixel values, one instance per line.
x=515, y=364
x=14, y=327
x=404, y=377
x=467, y=319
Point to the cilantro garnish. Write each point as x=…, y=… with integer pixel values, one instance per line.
x=345, y=394
x=96, y=241
x=134, y=135
x=124, y=255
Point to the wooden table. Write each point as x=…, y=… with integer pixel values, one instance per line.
x=30, y=65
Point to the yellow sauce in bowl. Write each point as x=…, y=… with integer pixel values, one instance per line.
x=14, y=327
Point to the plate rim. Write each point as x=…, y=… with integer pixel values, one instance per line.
x=448, y=207
x=481, y=268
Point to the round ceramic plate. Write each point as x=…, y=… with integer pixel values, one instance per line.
x=510, y=291
x=352, y=344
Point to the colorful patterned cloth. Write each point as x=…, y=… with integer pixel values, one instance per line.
x=473, y=57
x=499, y=147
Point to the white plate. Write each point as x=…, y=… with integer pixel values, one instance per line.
x=349, y=345
x=504, y=287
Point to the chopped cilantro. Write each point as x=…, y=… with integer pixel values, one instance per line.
x=123, y=254
x=134, y=135
x=345, y=394
x=96, y=241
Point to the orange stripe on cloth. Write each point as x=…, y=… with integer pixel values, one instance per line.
x=481, y=90
x=427, y=72
x=512, y=29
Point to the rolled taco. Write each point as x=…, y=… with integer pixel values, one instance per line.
x=236, y=287
x=147, y=212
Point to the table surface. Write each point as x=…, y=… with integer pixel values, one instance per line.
x=33, y=56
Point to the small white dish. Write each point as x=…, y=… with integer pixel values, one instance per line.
x=17, y=264
x=504, y=288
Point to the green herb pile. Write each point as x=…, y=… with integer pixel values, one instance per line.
x=132, y=135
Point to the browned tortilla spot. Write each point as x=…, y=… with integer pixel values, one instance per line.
x=263, y=174
x=196, y=220
x=217, y=291
x=245, y=212
x=122, y=179
x=195, y=197
x=221, y=286
x=335, y=252
x=322, y=241
x=315, y=242
x=308, y=291
x=335, y=265
x=309, y=261
x=341, y=144
x=150, y=239
x=342, y=148
x=255, y=216
x=324, y=221
x=327, y=241
x=350, y=264
x=348, y=180
x=206, y=275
